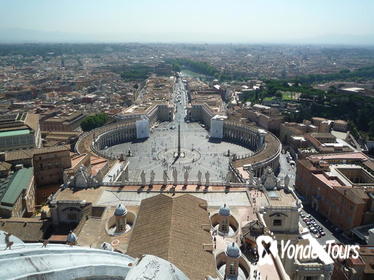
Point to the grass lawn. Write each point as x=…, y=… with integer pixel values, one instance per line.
x=287, y=96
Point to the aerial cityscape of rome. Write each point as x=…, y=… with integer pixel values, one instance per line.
x=202, y=140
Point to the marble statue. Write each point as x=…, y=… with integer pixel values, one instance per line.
x=152, y=180
x=269, y=180
x=251, y=176
x=142, y=176
x=207, y=176
x=165, y=177
x=228, y=177
x=286, y=181
x=186, y=177
x=199, y=175
x=175, y=176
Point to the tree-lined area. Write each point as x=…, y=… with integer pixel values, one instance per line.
x=332, y=104
x=364, y=73
x=283, y=90
x=94, y=121
x=137, y=72
x=357, y=109
x=200, y=67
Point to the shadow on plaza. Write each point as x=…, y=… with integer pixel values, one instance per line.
x=142, y=140
x=215, y=140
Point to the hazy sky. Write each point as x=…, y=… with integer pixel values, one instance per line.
x=295, y=21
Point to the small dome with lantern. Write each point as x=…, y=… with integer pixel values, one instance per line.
x=224, y=210
x=120, y=210
x=71, y=238
x=233, y=250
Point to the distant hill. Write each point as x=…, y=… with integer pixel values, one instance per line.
x=17, y=35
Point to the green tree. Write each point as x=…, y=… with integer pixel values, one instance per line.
x=91, y=122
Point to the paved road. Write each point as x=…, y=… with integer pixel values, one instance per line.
x=286, y=168
x=331, y=234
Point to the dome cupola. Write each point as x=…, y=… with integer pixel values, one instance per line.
x=71, y=238
x=224, y=210
x=233, y=250
x=120, y=210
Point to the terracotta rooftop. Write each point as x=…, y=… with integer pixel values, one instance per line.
x=27, y=154
x=90, y=195
x=26, y=229
x=97, y=163
x=171, y=228
x=32, y=120
x=357, y=156
x=332, y=182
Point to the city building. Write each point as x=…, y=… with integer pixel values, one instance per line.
x=360, y=268
x=265, y=117
x=339, y=186
x=280, y=216
x=49, y=165
x=61, y=121
x=19, y=131
x=327, y=143
x=17, y=194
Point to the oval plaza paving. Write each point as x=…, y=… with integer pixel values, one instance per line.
x=184, y=141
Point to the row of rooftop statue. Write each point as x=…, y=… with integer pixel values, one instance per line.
x=165, y=177
x=82, y=179
x=268, y=180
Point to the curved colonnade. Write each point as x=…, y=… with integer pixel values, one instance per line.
x=265, y=145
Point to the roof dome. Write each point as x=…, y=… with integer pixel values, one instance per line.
x=71, y=238
x=224, y=210
x=233, y=250
x=120, y=210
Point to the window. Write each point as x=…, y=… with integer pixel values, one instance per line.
x=277, y=222
x=232, y=269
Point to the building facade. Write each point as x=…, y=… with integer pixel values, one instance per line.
x=49, y=165
x=338, y=187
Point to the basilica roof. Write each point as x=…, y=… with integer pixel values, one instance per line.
x=172, y=228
